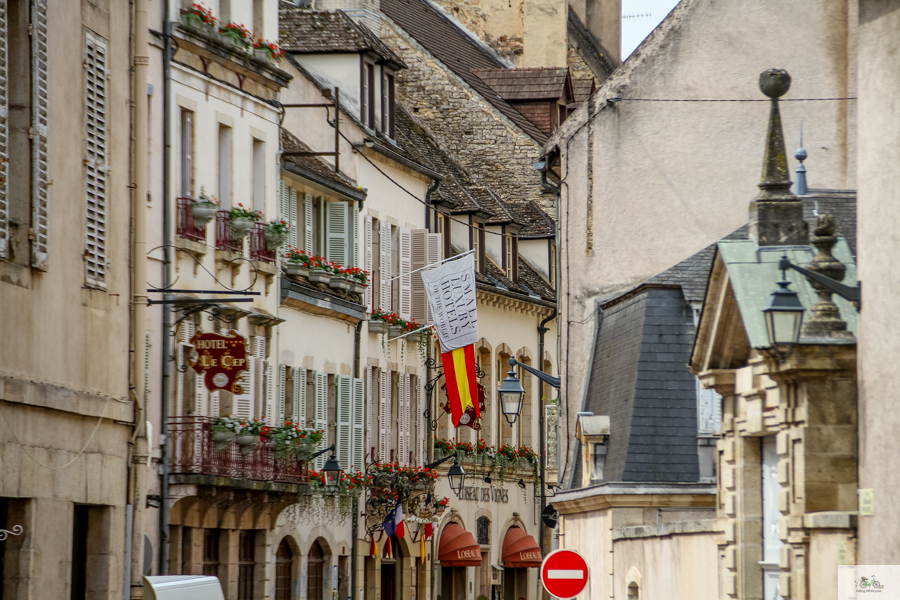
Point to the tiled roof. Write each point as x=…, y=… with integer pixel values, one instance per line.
x=582, y=88
x=460, y=53
x=527, y=84
x=321, y=32
x=533, y=222
x=291, y=144
x=530, y=284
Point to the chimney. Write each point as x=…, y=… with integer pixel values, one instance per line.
x=776, y=215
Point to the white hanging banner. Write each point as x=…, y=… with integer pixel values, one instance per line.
x=451, y=294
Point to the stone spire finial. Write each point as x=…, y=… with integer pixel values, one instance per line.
x=800, y=188
x=826, y=318
x=776, y=215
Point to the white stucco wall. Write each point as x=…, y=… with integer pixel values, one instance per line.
x=341, y=70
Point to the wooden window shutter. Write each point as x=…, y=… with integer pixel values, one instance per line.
x=147, y=347
x=419, y=249
x=370, y=414
x=367, y=260
x=4, y=132
x=385, y=266
x=321, y=415
x=294, y=237
x=298, y=410
x=320, y=240
x=244, y=403
x=280, y=396
x=358, y=461
x=337, y=229
x=405, y=240
x=514, y=243
x=95, y=105
x=40, y=248
x=384, y=412
x=435, y=254
x=308, y=245
x=401, y=421
x=418, y=421
x=185, y=333
x=344, y=418
x=259, y=395
x=353, y=241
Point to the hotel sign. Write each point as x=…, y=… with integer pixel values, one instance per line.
x=221, y=359
x=483, y=494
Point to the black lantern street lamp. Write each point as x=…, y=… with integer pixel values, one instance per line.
x=332, y=469
x=457, y=477
x=511, y=394
x=784, y=318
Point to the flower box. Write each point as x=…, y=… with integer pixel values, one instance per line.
x=396, y=330
x=357, y=288
x=240, y=227
x=247, y=443
x=379, y=327
x=296, y=268
x=319, y=276
x=339, y=283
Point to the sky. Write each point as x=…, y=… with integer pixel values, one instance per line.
x=635, y=29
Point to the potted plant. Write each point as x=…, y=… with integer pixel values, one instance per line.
x=276, y=232
x=340, y=280
x=267, y=51
x=224, y=431
x=297, y=261
x=320, y=270
x=199, y=17
x=380, y=321
x=204, y=208
x=249, y=434
x=236, y=35
x=359, y=280
x=242, y=221
x=441, y=505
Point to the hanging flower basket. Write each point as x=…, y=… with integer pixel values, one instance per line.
x=296, y=268
x=203, y=213
x=247, y=443
x=240, y=228
x=276, y=233
x=223, y=439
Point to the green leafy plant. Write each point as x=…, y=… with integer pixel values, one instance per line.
x=241, y=212
x=279, y=226
x=199, y=14
x=238, y=33
x=206, y=199
x=272, y=48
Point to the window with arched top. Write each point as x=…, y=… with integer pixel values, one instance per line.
x=315, y=568
x=483, y=530
x=284, y=566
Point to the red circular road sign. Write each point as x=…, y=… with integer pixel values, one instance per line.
x=564, y=573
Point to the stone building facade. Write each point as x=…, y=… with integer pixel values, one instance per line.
x=67, y=413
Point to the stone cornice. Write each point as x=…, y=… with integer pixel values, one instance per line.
x=635, y=495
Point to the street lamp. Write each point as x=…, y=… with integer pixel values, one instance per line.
x=511, y=394
x=457, y=477
x=332, y=469
x=784, y=317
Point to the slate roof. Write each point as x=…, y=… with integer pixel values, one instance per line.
x=444, y=40
x=291, y=143
x=323, y=32
x=527, y=84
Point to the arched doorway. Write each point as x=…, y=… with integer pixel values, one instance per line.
x=284, y=568
x=520, y=553
x=390, y=580
x=315, y=569
x=457, y=551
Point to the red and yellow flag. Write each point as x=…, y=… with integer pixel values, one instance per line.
x=462, y=384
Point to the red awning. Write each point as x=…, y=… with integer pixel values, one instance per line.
x=458, y=548
x=520, y=550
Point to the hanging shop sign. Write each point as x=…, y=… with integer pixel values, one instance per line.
x=221, y=359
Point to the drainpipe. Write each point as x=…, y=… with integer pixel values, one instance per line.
x=138, y=464
x=166, y=314
x=543, y=450
x=354, y=529
x=432, y=188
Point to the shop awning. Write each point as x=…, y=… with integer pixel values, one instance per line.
x=458, y=548
x=520, y=550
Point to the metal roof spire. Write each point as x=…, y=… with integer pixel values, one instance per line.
x=800, y=188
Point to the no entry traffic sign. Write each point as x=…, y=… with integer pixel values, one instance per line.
x=564, y=573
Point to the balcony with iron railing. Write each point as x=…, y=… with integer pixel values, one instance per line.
x=193, y=458
x=224, y=237
x=185, y=226
x=258, y=250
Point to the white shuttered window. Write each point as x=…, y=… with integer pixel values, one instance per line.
x=337, y=232
x=4, y=132
x=384, y=264
x=95, y=110
x=404, y=236
x=370, y=413
x=367, y=260
x=40, y=130
x=321, y=415
x=384, y=417
x=298, y=409
x=344, y=419
x=358, y=461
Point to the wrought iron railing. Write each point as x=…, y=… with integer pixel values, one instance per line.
x=224, y=238
x=185, y=227
x=191, y=450
x=258, y=249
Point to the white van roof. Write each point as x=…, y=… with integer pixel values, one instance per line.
x=182, y=587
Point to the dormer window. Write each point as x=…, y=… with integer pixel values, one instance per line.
x=476, y=242
x=367, y=97
x=387, y=103
x=510, y=254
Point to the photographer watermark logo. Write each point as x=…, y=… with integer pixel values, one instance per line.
x=868, y=585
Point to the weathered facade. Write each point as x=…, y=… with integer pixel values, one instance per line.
x=65, y=205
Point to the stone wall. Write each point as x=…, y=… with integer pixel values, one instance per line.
x=492, y=149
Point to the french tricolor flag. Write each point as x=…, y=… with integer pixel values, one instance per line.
x=393, y=524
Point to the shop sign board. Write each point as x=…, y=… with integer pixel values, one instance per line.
x=221, y=359
x=564, y=573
